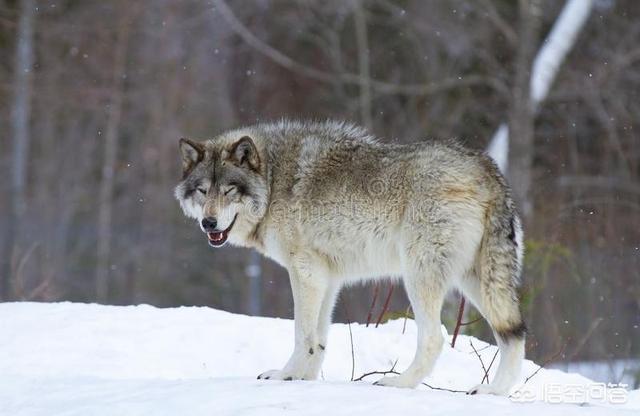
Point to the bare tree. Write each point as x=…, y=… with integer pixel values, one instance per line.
x=521, y=114
x=360, y=17
x=532, y=87
x=21, y=137
x=107, y=181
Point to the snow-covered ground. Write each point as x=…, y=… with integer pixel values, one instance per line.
x=78, y=359
x=608, y=371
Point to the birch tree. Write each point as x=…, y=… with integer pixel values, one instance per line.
x=531, y=88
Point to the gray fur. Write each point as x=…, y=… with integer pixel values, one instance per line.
x=333, y=205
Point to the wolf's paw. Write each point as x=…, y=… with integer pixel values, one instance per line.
x=396, y=381
x=488, y=389
x=279, y=375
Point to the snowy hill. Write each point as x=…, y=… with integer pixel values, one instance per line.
x=78, y=359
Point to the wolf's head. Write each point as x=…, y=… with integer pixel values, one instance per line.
x=223, y=186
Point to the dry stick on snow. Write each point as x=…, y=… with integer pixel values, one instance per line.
x=392, y=371
x=486, y=375
x=373, y=303
x=458, y=322
x=481, y=363
x=545, y=363
x=486, y=370
x=353, y=354
x=482, y=349
x=373, y=373
x=386, y=306
x=443, y=389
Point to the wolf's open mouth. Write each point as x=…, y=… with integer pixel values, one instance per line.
x=218, y=238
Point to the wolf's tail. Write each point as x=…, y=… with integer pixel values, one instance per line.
x=500, y=265
x=499, y=268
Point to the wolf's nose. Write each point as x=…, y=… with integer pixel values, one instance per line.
x=209, y=224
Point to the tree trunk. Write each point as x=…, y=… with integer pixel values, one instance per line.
x=20, y=115
x=362, y=41
x=107, y=182
x=532, y=87
x=521, y=151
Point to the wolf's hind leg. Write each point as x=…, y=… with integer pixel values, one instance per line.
x=426, y=293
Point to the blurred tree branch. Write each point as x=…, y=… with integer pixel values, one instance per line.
x=604, y=182
x=494, y=16
x=381, y=87
x=112, y=132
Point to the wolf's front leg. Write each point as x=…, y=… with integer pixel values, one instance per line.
x=308, y=295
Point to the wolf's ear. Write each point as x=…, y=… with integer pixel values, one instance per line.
x=192, y=153
x=244, y=153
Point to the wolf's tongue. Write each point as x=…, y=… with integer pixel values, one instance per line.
x=215, y=236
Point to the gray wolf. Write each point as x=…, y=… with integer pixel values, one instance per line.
x=334, y=205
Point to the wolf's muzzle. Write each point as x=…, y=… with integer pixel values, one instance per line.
x=216, y=237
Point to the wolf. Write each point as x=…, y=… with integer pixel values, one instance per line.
x=333, y=205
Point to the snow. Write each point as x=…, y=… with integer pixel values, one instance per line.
x=79, y=359
x=619, y=370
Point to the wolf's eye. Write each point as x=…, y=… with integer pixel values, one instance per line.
x=202, y=191
x=230, y=189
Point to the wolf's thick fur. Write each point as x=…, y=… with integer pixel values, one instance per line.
x=333, y=205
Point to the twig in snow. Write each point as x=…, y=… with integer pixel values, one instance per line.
x=353, y=355
x=544, y=364
x=481, y=349
x=444, y=389
x=556, y=355
x=373, y=373
x=486, y=375
x=486, y=372
x=392, y=371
